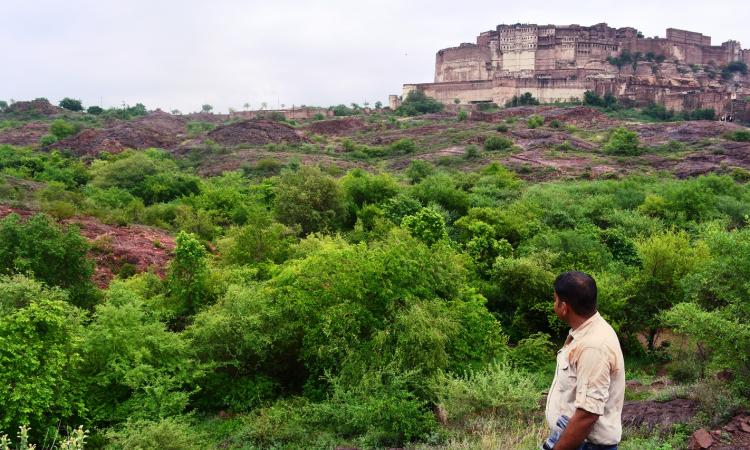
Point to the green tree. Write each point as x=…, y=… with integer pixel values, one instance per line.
x=71, y=104
x=206, y=108
x=40, y=333
x=188, y=278
x=427, y=224
x=622, y=142
x=526, y=99
x=133, y=367
x=417, y=102
x=666, y=259
x=310, y=199
x=54, y=256
x=60, y=128
x=95, y=110
x=418, y=170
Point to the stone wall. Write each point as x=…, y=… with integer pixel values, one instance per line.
x=523, y=49
x=557, y=63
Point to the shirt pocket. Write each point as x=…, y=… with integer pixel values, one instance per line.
x=565, y=377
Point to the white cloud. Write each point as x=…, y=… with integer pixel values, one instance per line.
x=181, y=54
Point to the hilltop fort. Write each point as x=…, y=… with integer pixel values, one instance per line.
x=556, y=63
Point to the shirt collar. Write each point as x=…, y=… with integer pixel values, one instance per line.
x=581, y=330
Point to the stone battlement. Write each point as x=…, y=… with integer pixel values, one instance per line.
x=560, y=62
x=519, y=48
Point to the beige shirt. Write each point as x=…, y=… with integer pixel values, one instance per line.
x=590, y=375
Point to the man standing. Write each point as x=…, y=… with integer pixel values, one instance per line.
x=585, y=400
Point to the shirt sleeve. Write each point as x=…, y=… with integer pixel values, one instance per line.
x=592, y=380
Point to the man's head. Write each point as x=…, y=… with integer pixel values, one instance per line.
x=575, y=296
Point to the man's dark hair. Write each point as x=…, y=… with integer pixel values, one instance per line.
x=578, y=290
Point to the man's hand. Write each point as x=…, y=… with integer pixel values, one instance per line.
x=578, y=429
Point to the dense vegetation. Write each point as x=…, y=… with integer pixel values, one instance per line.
x=311, y=309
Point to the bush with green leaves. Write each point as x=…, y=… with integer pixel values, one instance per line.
x=740, y=136
x=43, y=166
x=40, y=352
x=187, y=282
x=133, y=367
x=326, y=324
x=71, y=104
x=169, y=433
x=417, y=102
x=60, y=128
x=499, y=389
x=622, y=142
x=55, y=256
x=525, y=99
x=418, y=170
x=402, y=147
x=151, y=175
x=443, y=190
x=497, y=143
x=310, y=199
x=260, y=240
x=427, y=224
x=535, y=121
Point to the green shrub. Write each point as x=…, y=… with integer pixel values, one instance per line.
x=402, y=146
x=535, y=121
x=310, y=199
x=187, y=281
x=740, y=136
x=95, y=110
x=471, y=152
x=71, y=104
x=133, y=367
x=380, y=407
x=533, y=352
x=555, y=124
x=417, y=102
x=171, y=433
x=525, y=99
x=62, y=129
x=427, y=224
x=658, y=112
x=418, y=170
x=502, y=128
x=48, y=139
x=700, y=114
x=40, y=334
x=54, y=256
x=622, y=142
x=500, y=390
x=496, y=143
x=462, y=116
x=196, y=128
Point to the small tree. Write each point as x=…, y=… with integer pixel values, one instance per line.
x=428, y=225
x=378, y=104
x=246, y=106
x=417, y=102
x=71, y=104
x=188, y=274
x=207, y=108
x=311, y=199
x=3, y=105
x=525, y=99
x=62, y=129
x=95, y=110
x=622, y=142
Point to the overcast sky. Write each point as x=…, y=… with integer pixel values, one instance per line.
x=181, y=54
